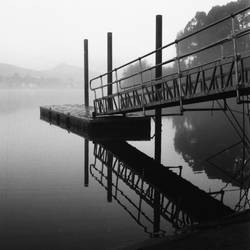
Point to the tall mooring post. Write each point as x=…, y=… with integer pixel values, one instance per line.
x=86, y=73
x=158, y=74
x=86, y=102
x=109, y=65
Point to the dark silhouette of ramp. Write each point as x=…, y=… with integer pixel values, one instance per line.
x=197, y=203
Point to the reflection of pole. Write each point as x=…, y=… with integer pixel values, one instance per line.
x=86, y=162
x=86, y=102
x=243, y=143
x=156, y=211
x=109, y=175
x=158, y=74
x=86, y=73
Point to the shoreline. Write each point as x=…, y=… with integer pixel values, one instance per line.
x=231, y=233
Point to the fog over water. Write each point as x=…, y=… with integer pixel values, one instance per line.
x=45, y=202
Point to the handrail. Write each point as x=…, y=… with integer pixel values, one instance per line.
x=165, y=46
x=214, y=44
x=171, y=76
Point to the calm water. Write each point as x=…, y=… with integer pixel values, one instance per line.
x=44, y=202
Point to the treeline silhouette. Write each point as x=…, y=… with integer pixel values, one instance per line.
x=215, y=33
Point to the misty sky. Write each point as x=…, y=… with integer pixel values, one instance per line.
x=40, y=34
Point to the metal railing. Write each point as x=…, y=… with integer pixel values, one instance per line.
x=145, y=88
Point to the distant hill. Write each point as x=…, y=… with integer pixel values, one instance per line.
x=8, y=70
x=61, y=76
x=65, y=71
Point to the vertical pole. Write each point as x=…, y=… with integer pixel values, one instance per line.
x=86, y=73
x=86, y=102
x=235, y=61
x=243, y=142
x=157, y=214
x=109, y=61
x=109, y=66
x=179, y=76
x=158, y=74
x=86, y=162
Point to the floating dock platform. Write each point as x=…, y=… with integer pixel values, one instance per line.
x=79, y=120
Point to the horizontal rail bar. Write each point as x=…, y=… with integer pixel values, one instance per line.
x=172, y=76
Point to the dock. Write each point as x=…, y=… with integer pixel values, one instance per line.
x=79, y=120
x=119, y=94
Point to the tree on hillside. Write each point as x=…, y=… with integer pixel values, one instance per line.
x=215, y=33
x=220, y=31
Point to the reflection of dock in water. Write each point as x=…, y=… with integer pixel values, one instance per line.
x=110, y=175
x=171, y=197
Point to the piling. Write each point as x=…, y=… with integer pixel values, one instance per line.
x=86, y=73
x=109, y=66
x=158, y=74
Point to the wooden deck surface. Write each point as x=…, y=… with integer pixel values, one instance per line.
x=79, y=120
x=77, y=110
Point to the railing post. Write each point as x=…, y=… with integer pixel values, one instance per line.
x=117, y=90
x=235, y=61
x=142, y=92
x=158, y=74
x=102, y=87
x=221, y=66
x=179, y=76
x=109, y=68
x=86, y=73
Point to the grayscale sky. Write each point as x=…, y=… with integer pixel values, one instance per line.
x=40, y=34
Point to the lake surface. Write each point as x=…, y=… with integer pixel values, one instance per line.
x=45, y=203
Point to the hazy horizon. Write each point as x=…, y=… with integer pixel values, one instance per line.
x=40, y=34
x=59, y=64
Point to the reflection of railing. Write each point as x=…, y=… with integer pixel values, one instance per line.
x=140, y=213
x=221, y=78
x=169, y=210
x=244, y=200
x=158, y=201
